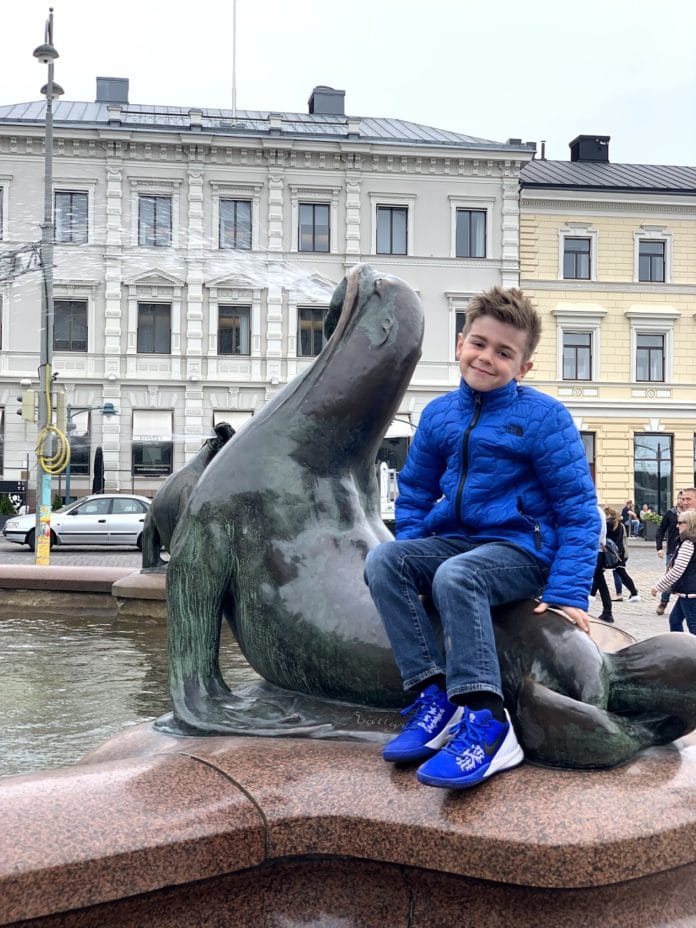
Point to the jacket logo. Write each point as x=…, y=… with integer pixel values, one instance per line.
x=514, y=429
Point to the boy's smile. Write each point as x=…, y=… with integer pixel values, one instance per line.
x=491, y=354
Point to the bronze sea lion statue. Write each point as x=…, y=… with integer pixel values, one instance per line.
x=275, y=534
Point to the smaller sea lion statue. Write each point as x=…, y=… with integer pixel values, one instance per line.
x=172, y=496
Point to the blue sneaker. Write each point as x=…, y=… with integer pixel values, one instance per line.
x=479, y=746
x=427, y=729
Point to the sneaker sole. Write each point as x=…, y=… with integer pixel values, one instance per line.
x=429, y=748
x=509, y=755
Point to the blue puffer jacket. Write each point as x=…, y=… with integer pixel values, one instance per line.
x=505, y=465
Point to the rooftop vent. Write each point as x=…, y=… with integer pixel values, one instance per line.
x=112, y=90
x=590, y=148
x=326, y=101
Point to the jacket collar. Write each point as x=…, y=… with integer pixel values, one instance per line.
x=490, y=399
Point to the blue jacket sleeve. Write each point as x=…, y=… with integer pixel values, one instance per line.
x=419, y=481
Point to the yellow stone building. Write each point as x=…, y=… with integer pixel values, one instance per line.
x=608, y=255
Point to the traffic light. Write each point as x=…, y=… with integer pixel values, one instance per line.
x=28, y=401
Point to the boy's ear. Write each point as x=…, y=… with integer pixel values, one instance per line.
x=458, y=349
x=524, y=369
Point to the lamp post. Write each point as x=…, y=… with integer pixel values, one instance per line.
x=106, y=409
x=46, y=54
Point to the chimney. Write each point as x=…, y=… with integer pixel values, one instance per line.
x=590, y=148
x=326, y=101
x=112, y=90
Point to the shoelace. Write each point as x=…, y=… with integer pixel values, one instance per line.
x=464, y=731
x=422, y=705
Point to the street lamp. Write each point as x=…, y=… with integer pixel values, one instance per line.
x=106, y=409
x=46, y=54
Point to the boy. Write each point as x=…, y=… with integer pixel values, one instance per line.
x=496, y=504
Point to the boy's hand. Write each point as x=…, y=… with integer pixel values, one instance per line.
x=576, y=615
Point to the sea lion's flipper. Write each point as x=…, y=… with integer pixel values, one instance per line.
x=655, y=682
x=563, y=732
x=151, y=545
x=196, y=582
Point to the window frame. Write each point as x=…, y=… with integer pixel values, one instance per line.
x=578, y=230
x=644, y=322
x=590, y=365
x=142, y=195
x=314, y=328
x=653, y=233
x=71, y=348
x=390, y=209
x=659, y=501
x=662, y=349
x=73, y=238
x=152, y=306
x=575, y=255
x=313, y=205
x=470, y=211
x=239, y=310
x=160, y=438
x=580, y=319
x=236, y=201
x=392, y=200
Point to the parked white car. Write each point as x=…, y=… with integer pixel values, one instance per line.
x=106, y=519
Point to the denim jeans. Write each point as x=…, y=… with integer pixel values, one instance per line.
x=464, y=581
x=683, y=609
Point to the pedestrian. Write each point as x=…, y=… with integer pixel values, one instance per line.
x=630, y=519
x=681, y=576
x=599, y=582
x=615, y=532
x=669, y=531
x=496, y=504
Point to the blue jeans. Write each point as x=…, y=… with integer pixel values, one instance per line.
x=464, y=581
x=683, y=609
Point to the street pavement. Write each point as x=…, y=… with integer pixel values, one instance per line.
x=638, y=619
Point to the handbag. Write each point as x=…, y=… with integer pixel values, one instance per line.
x=611, y=555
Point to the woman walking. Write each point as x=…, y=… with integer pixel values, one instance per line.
x=617, y=534
x=681, y=577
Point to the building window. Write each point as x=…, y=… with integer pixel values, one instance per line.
x=392, y=230
x=652, y=470
x=154, y=328
x=650, y=357
x=70, y=325
x=651, y=261
x=154, y=221
x=70, y=217
x=576, y=258
x=235, y=224
x=152, y=453
x=234, y=330
x=313, y=228
x=310, y=334
x=577, y=356
x=588, y=441
x=470, y=233
x=459, y=323
x=79, y=437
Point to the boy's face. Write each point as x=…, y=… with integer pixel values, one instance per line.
x=491, y=354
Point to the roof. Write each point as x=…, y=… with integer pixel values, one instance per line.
x=600, y=175
x=250, y=122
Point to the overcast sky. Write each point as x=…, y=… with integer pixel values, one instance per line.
x=544, y=69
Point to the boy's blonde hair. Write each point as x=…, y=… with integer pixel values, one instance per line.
x=510, y=306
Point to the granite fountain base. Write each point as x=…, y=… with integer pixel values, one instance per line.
x=152, y=829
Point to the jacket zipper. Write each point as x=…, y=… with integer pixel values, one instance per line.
x=537, y=526
x=465, y=453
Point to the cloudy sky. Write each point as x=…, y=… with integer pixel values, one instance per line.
x=541, y=69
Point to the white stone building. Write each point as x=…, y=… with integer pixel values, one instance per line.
x=196, y=254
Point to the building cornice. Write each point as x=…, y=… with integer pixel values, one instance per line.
x=593, y=286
